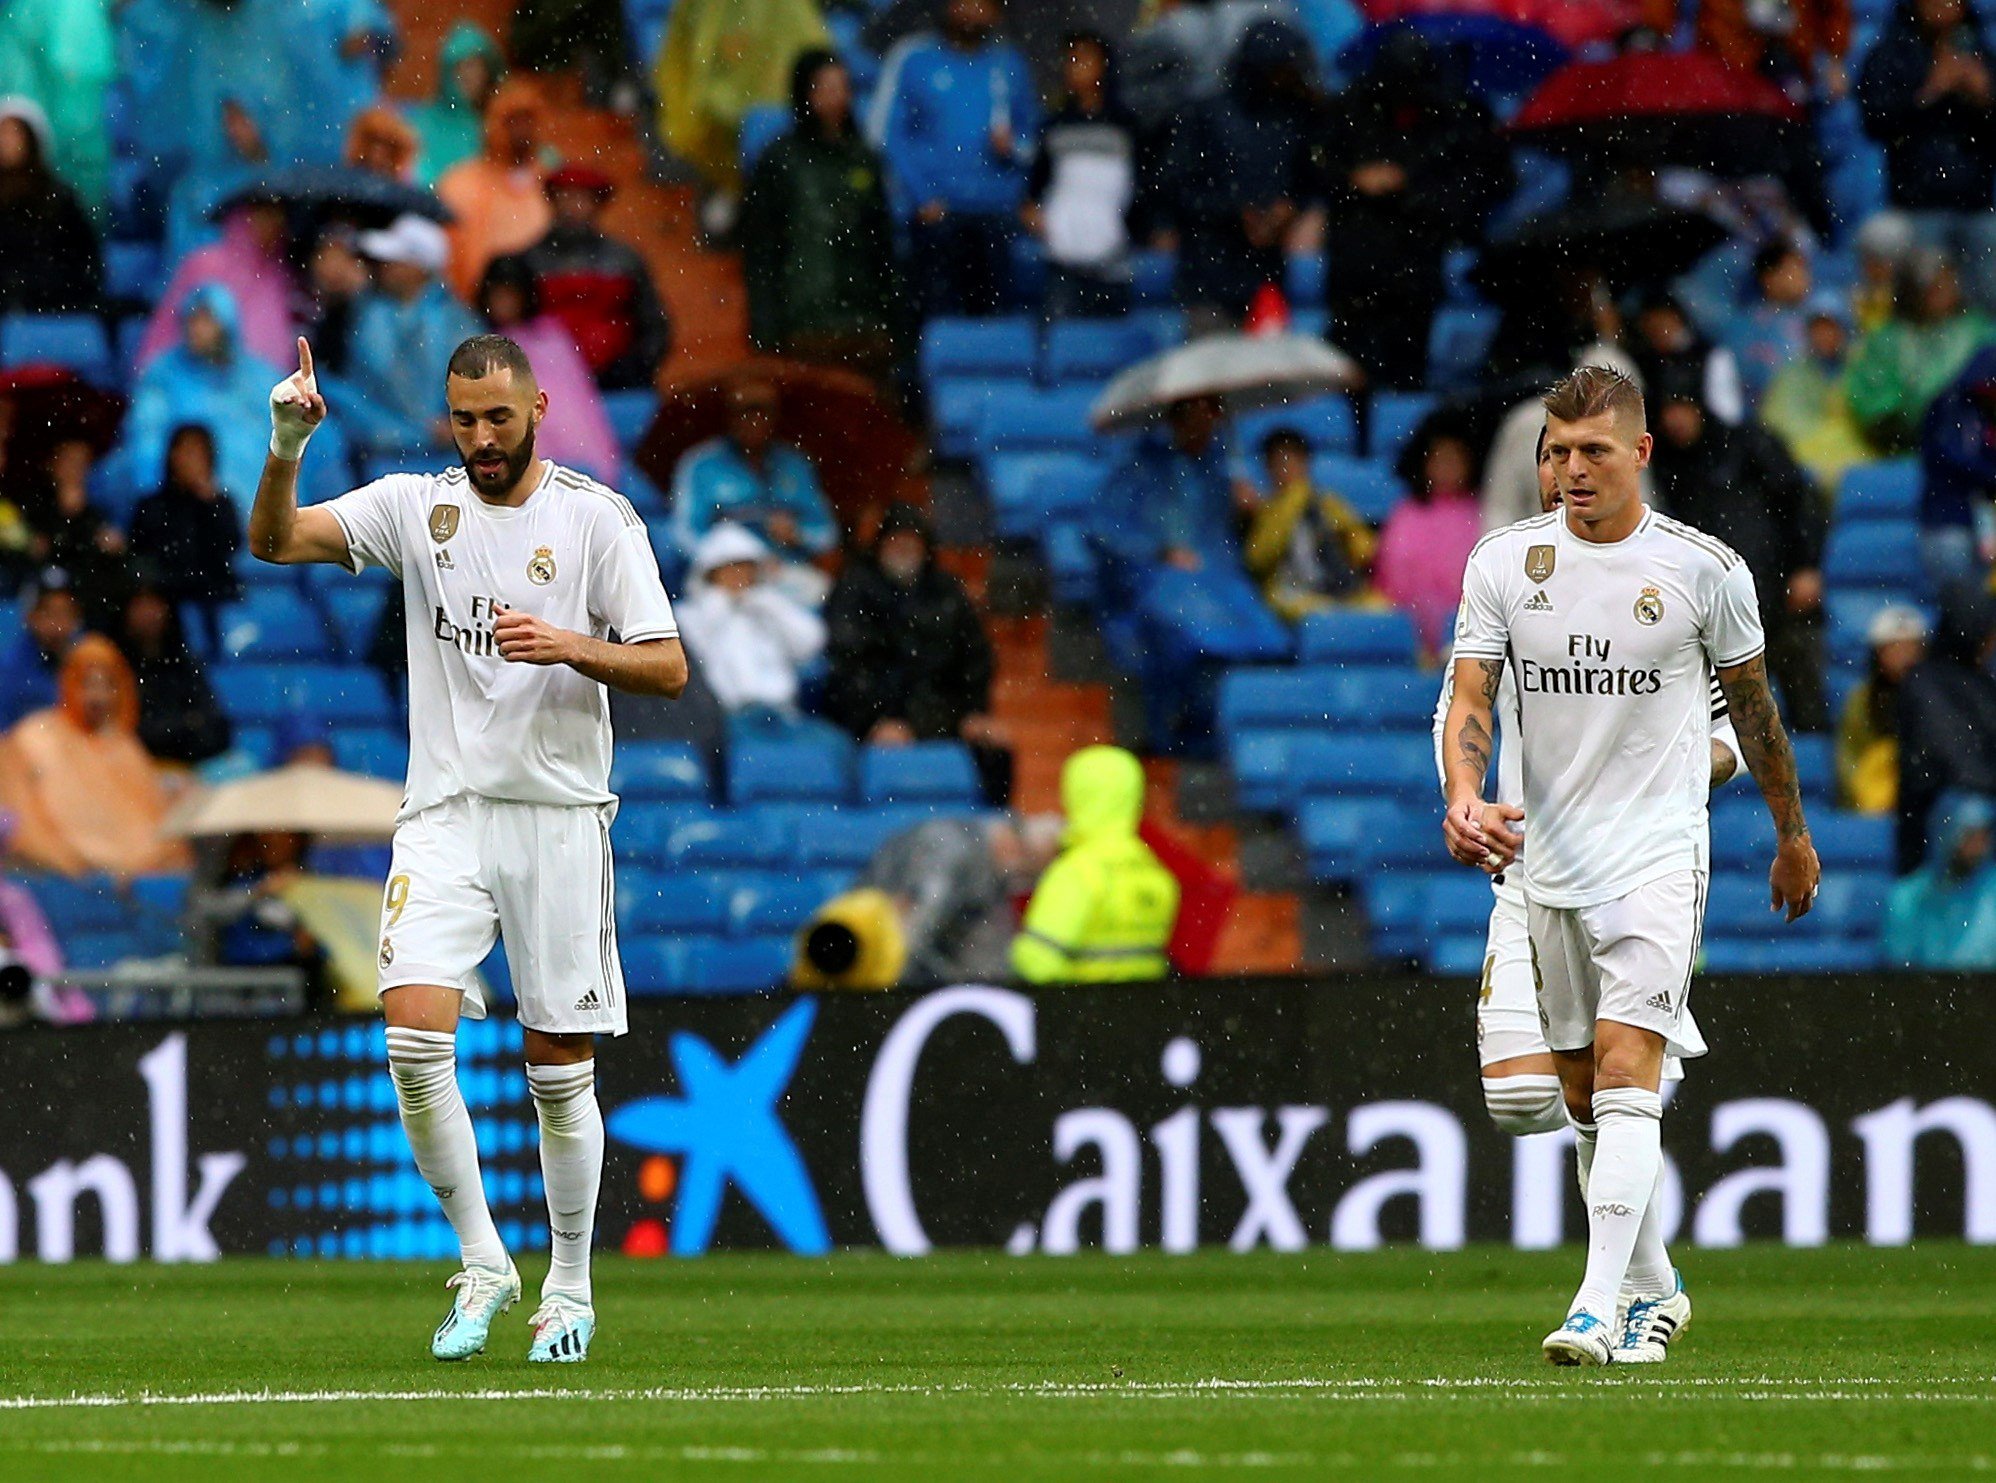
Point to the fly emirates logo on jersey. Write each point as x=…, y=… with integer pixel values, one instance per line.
x=474, y=637
x=1588, y=672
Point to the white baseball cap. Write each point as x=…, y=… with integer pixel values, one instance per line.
x=1891, y=625
x=411, y=239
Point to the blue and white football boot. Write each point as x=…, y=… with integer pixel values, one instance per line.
x=482, y=1295
x=1653, y=1323
x=562, y=1331
x=1582, y=1340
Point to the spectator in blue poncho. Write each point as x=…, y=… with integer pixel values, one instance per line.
x=1943, y=915
x=210, y=380
x=404, y=330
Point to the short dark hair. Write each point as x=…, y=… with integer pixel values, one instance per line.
x=1592, y=390
x=1772, y=255
x=1283, y=437
x=481, y=355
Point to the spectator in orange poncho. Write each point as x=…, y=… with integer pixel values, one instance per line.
x=496, y=197
x=381, y=142
x=85, y=794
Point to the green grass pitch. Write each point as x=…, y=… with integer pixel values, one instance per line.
x=972, y=1365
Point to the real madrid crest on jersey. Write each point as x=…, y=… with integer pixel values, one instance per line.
x=443, y=522
x=1539, y=562
x=540, y=571
x=1649, y=608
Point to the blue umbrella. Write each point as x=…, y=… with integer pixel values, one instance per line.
x=1499, y=57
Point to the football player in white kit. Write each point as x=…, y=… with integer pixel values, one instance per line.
x=1611, y=620
x=1520, y=1078
x=529, y=589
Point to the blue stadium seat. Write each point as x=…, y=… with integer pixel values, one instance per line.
x=132, y=271
x=736, y=965
x=1819, y=955
x=957, y=407
x=255, y=694
x=932, y=770
x=1260, y=762
x=1029, y=489
x=1396, y=907
x=992, y=348
x=1459, y=955
x=271, y=624
x=1303, y=278
x=785, y=769
x=1096, y=349
x=77, y=341
x=653, y=965
x=353, y=610
x=660, y=771
x=1367, y=766
x=1459, y=343
x=761, y=126
x=159, y=903
x=1889, y=490
x=685, y=901
x=1395, y=415
x=1324, y=421
x=1874, y=554
x=1849, y=615
x=1368, y=485
x=630, y=413
x=849, y=837
x=1852, y=841
x=352, y=694
x=377, y=751
x=1459, y=904
x=96, y=950
x=1073, y=569
x=1815, y=765
x=762, y=902
x=1373, y=699
x=1021, y=418
x=88, y=905
x=1354, y=636
x=761, y=838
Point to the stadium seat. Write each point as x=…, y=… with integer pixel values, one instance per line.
x=956, y=409
x=1324, y=421
x=1260, y=763
x=758, y=903
x=99, y=950
x=1396, y=907
x=1459, y=343
x=1888, y=490
x=1821, y=955
x=1096, y=349
x=630, y=413
x=653, y=964
x=353, y=611
x=1852, y=841
x=75, y=341
x=762, y=838
x=719, y=965
x=1459, y=904
x=1815, y=765
x=132, y=272
x=1359, y=765
x=761, y=126
x=687, y=901
x=273, y=624
x=1874, y=554
x=991, y=348
x=1373, y=699
x=1368, y=485
x=1459, y=955
x=1850, y=615
x=783, y=769
x=1356, y=636
x=1028, y=490
x=1303, y=278
x=1152, y=276
x=849, y=837
x=660, y=771
x=377, y=751
x=933, y=770
x=1395, y=415
x=88, y=905
x=1026, y=417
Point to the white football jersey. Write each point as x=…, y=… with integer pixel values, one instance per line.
x=575, y=554
x=1611, y=650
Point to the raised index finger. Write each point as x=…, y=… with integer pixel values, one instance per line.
x=304, y=359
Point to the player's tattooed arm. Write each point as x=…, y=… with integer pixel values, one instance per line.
x=1764, y=744
x=1796, y=872
x=1477, y=833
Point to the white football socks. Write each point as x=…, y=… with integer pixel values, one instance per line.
x=571, y=1169
x=1628, y=1157
x=423, y=1064
x=1523, y=1105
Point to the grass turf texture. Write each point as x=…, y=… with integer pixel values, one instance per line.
x=975, y=1365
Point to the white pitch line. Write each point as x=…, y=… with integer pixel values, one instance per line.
x=1761, y=1388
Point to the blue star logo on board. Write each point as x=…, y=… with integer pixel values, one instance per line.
x=724, y=1128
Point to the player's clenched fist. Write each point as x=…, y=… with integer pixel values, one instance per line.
x=1479, y=833
x=525, y=639
x=296, y=408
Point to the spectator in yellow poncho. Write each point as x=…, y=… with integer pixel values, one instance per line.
x=720, y=59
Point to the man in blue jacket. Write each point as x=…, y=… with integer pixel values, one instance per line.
x=957, y=117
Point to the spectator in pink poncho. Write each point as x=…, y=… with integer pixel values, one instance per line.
x=249, y=260
x=576, y=430
x=1426, y=540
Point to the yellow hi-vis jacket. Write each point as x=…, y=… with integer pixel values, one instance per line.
x=1105, y=908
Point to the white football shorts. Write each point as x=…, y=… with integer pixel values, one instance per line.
x=1627, y=960
x=1507, y=1000
x=470, y=869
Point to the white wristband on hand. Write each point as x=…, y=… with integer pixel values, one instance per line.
x=289, y=443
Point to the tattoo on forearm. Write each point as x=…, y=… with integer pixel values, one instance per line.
x=1764, y=744
x=1493, y=676
x=1473, y=746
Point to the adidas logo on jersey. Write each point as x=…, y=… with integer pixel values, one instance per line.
x=1538, y=602
x=1660, y=1000
x=589, y=1003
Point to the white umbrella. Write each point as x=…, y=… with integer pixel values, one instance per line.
x=1250, y=371
x=302, y=799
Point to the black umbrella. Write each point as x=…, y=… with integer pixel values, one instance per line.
x=358, y=196
x=1626, y=242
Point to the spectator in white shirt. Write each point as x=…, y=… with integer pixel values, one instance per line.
x=750, y=641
